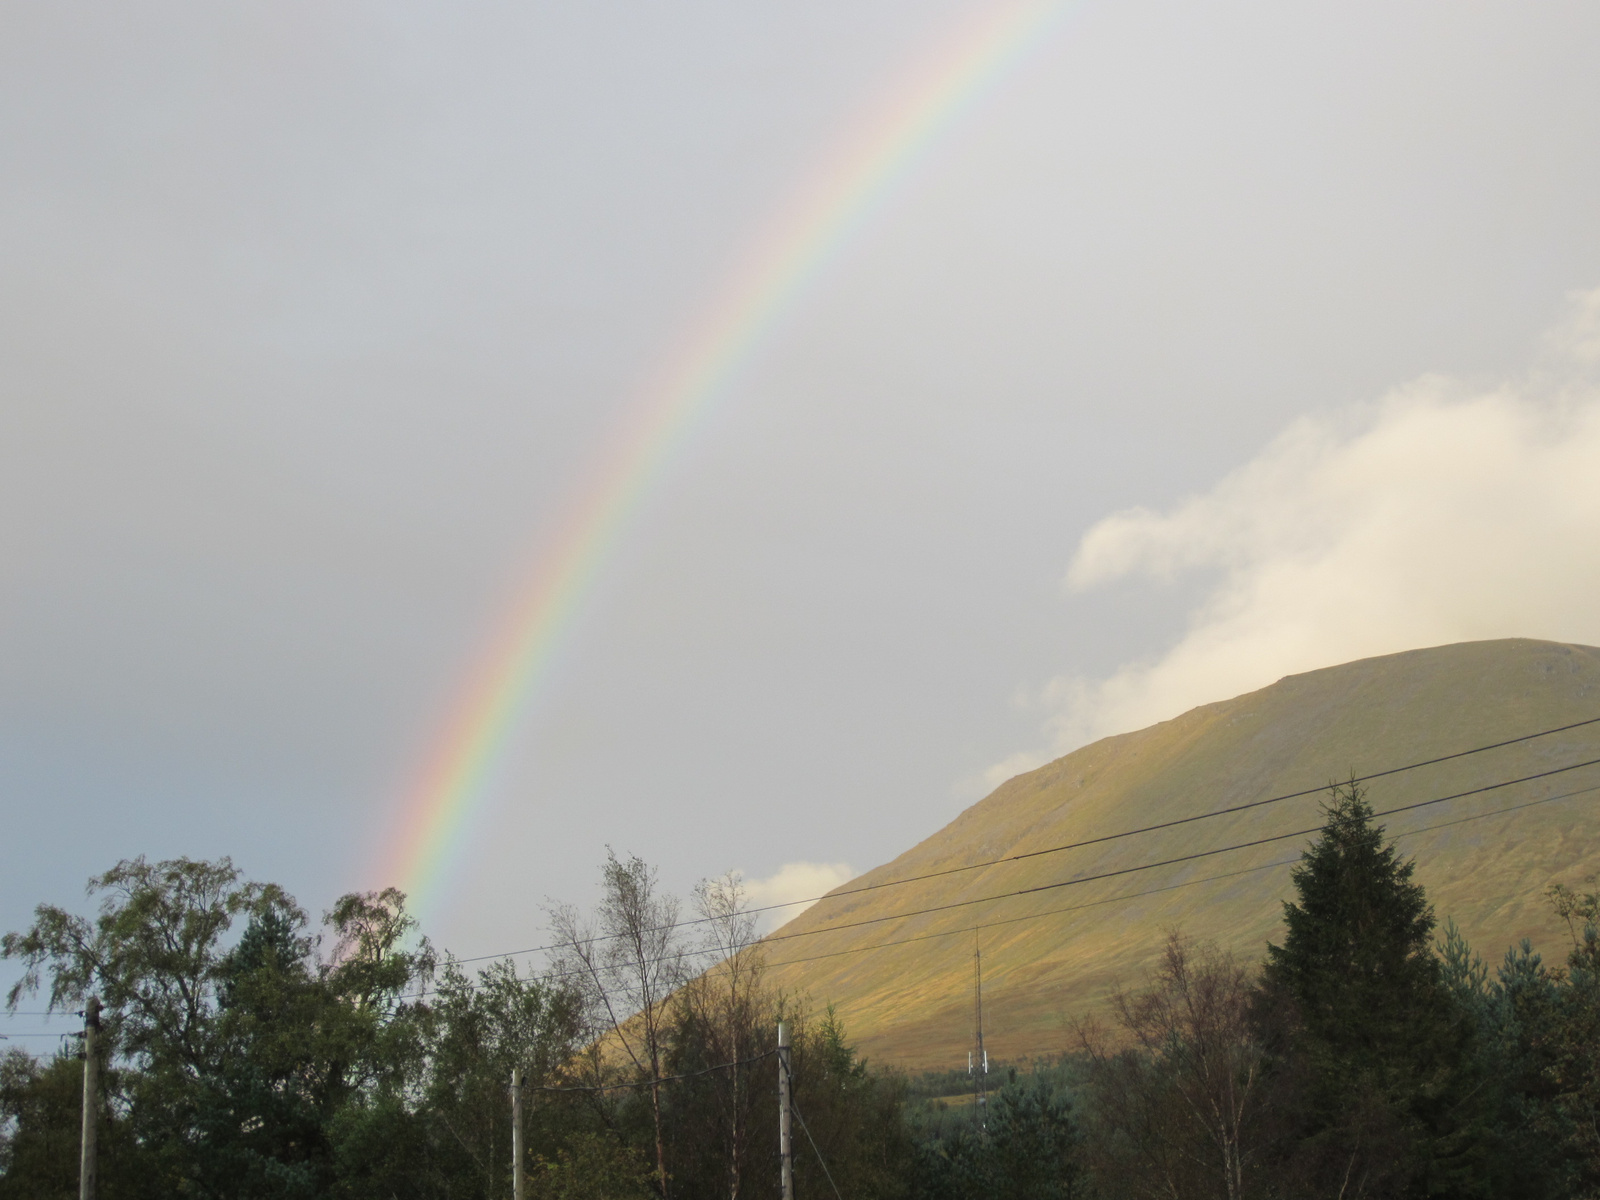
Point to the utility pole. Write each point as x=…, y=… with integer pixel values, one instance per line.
x=981, y=1080
x=516, y=1134
x=785, y=1146
x=91, y=1099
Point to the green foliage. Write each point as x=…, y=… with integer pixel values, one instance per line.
x=592, y=1167
x=478, y=1030
x=39, y=1106
x=41, y=1109
x=234, y=1059
x=1037, y=1146
x=1032, y=1148
x=849, y=1118
x=951, y=1158
x=153, y=954
x=1358, y=941
x=1388, y=1097
x=719, y=1121
x=1573, y=1046
x=250, y=1054
x=1541, y=1037
x=1178, y=1089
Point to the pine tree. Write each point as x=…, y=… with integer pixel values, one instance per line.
x=1358, y=944
x=1377, y=1043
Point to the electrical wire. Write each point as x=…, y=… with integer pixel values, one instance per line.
x=1051, y=912
x=1171, y=887
x=1110, y=837
x=923, y=937
x=778, y=937
x=1167, y=862
x=795, y=1108
x=619, y=1087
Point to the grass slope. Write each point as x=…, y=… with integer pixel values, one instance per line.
x=912, y=1004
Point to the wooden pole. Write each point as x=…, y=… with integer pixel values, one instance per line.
x=785, y=1145
x=88, y=1149
x=517, y=1180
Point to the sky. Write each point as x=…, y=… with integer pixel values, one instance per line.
x=1202, y=344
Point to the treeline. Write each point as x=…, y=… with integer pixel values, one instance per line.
x=1367, y=1056
x=248, y=1053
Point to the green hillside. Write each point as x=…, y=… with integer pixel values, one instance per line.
x=912, y=1003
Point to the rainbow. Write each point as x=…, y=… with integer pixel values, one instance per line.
x=807, y=236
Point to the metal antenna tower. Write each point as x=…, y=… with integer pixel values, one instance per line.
x=981, y=1074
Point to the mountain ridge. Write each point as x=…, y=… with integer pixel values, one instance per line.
x=911, y=1003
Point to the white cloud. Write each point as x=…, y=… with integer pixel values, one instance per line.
x=1440, y=514
x=791, y=882
x=1577, y=340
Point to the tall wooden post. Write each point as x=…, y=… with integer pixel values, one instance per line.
x=517, y=1182
x=88, y=1149
x=785, y=1145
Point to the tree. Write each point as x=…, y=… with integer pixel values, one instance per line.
x=626, y=963
x=1530, y=1141
x=155, y=955
x=41, y=1107
x=38, y=1138
x=950, y=1159
x=233, y=1061
x=847, y=1117
x=258, y=1109
x=479, y=1030
x=1547, y=1022
x=723, y=1015
x=1035, y=1144
x=592, y=1167
x=1178, y=1102
x=1377, y=1048
x=1032, y=1149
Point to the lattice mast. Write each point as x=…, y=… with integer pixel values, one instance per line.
x=979, y=1069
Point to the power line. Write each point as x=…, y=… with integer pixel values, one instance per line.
x=1167, y=862
x=619, y=1087
x=1056, y=911
x=778, y=937
x=1073, y=907
x=837, y=894
x=1171, y=887
x=1110, y=837
x=1205, y=816
x=822, y=1162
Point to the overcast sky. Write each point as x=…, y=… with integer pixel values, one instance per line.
x=314, y=316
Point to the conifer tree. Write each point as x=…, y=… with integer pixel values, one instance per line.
x=1357, y=952
x=1377, y=1043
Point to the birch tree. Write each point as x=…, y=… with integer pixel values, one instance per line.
x=626, y=961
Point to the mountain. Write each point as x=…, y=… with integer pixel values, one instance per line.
x=1051, y=955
